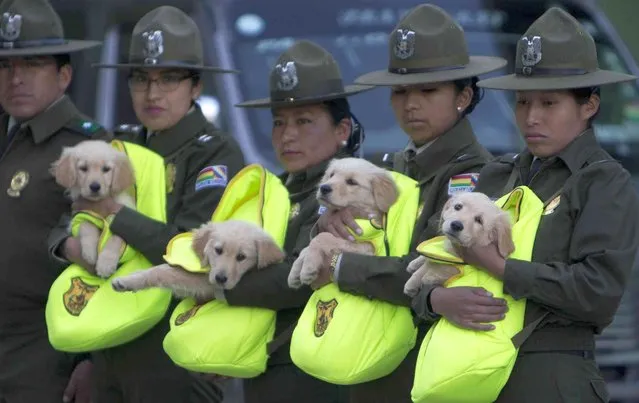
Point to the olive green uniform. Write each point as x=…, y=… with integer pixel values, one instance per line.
x=268, y=288
x=31, y=203
x=454, y=153
x=140, y=371
x=584, y=252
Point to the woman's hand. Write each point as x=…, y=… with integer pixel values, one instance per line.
x=103, y=208
x=468, y=307
x=337, y=223
x=484, y=257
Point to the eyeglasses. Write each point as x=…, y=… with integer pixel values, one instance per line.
x=166, y=82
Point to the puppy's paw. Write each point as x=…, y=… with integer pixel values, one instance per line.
x=294, y=280
x=120, y=285
x=412, y=286
x=90, y=255
x=310, y=269
x=107, y=264
x=415, y=264
x=132, y=282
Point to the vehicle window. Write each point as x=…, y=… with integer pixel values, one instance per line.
x=356, y=32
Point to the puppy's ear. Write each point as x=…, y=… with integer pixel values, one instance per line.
x=201, y=238
x=502, y=234
x=385, y=191
x=64, y=169
x=123, y=175
x=267, y=252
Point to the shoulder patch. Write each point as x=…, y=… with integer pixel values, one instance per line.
x=462, y=183
x=214, y=176
x=86, y=127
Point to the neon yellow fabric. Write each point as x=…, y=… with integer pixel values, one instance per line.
x=347, y=339
x=457, y=365
x=215, y=337
x=83, y=312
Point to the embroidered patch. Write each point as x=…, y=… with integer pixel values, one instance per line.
x=321, y=210
x=76, y=298
x=550, y=207
x=462, y=183
x=323, y=316
x=215, y=176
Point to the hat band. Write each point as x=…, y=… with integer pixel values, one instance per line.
x=32, y=44
x=312, y=89
x=403, y=70
x=547, y=71
x=150, y=61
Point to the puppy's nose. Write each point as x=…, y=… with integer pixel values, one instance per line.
x=95, y=187
x=325, y=189
x=456, y=226
x=221, y=278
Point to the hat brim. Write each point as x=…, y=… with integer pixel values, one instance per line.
x=268, y=103
x=477, y=65
x=70, y=46
x=198, y=67
x=528, y=83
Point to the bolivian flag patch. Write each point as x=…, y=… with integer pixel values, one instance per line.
x=214, y=176
x=462, y=183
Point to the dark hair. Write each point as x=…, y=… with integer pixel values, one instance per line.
x=62, y=60
x=582, y=96
x=478, y=93
x=340, y=109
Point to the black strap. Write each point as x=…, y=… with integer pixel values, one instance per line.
x=280, y=340
x=5, y=142
x=519, y=339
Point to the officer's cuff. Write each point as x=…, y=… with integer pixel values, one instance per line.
x=421, y=304
x=55, y=251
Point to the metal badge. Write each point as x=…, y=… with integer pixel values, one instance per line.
x=287, y=73
x=19, y=181
x=532, y=54
x=10, y=26
x=294, y=212
x=153, y=46
x=404, y=43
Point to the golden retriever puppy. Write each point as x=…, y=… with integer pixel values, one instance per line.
x=94, y=170
x=355, y=184
x=467, y=219
x=229, y=249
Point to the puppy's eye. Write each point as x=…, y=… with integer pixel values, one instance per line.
x=479, y=220
x=458, y=206
x=219, y=250
x=351, y=182
x=331, y=175
x=106, y=169
x=240, y=257
x=83, y=168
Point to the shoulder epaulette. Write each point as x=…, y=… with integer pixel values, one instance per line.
x=127, y=129
x=507, y=158
x=85, y=126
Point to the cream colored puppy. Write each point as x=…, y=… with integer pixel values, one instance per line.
x=229, y=248
x=352, y=183
x=94, y=170
x=467, y=219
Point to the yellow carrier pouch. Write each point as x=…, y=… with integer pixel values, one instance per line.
x=457, y=365
x=347, y=339
x=83, y=312
x=215, y=337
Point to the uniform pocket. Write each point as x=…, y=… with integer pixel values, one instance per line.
x=600, y=389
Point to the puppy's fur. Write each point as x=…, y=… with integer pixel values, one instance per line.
x=349, y=183
x=229, y=248
x=467, y=219
x=95, y=171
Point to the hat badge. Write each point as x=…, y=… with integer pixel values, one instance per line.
x=153, y=46
x=532, y=54
x=404, y=43
x=10, y=26
x=287, y=76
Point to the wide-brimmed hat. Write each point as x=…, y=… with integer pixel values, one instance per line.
x=304, y=74
x=33, y=28
x=166, y=38
x=428, y=46
x=555, y=53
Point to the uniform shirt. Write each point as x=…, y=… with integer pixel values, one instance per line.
x=31, y=204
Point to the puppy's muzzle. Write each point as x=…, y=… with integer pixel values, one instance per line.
x=95, y=187
x=221, y=278
x=457, y=226
x=325, y=190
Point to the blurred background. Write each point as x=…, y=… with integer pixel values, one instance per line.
x=248, y=35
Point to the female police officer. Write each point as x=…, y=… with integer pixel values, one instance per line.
x=433, y=84
x=588, y=236
x=165, y=63
x=312, y=123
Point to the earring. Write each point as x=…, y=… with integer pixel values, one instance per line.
x=344, y=143
x=459, y=109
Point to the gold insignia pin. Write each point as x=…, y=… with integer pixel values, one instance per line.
x=295, y=211
x=419, y=210
x=170, y=173
x=19, y=181
x=550, y=208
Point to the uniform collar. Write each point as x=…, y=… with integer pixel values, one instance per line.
x=48, y=122
x=443, y=150
x=574, y=156
x=411, y=150
x=166, y=142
